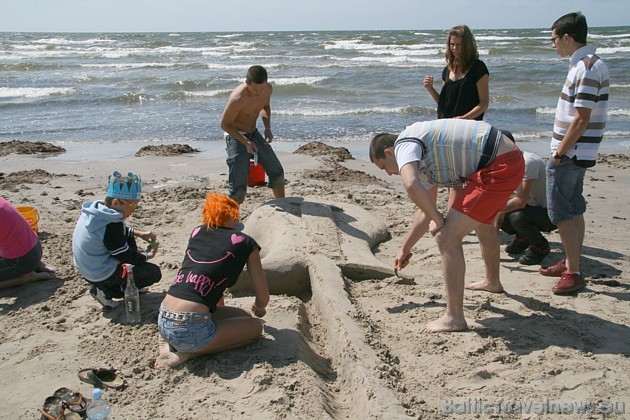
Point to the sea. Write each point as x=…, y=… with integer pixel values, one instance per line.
x=106, y=95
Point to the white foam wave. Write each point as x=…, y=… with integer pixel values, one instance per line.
x=130, y=65
x=597, y=36
x=229, y=35
x=6, y=92
x=619, y=112
x=545, y=110
x=319, y=112
x=65, y=41
x=285, y=81
x=612, y=50
x=499, y=38
x=208, y=93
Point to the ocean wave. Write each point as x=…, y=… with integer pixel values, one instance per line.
x=135, y=98
x=28, y=66
x=188, y=95
x=608, y=36
x=545, y=110
x=612, y=50
x=320, y=112
x=620, y=112
x=24, y=92
x=284, y=81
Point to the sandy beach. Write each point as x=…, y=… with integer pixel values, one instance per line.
x=342, y=334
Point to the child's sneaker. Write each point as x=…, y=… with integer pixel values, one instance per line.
x=99, y=296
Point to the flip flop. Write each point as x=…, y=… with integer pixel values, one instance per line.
x=73, y=400
x=53, y=409
x=102, y=378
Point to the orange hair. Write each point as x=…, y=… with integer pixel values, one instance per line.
x=217, y=208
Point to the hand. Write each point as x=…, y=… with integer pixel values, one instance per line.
x=498, y=221
x=152, y=249
x=147, y=236
x=268, y=135
x=259, y=312
x=251, y=147
x=428, y=82
x=402, y=259
x=435, y=226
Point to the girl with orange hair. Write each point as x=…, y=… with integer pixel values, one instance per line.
x=193, y=320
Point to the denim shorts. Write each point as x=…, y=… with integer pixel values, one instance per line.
x=565, y=182
x=188, y=334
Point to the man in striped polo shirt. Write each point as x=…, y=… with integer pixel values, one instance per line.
x=578, y=129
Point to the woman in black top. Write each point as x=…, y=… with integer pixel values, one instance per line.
x=465, y=91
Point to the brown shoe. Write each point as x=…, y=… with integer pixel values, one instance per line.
x=555, y=270
x=569, y=282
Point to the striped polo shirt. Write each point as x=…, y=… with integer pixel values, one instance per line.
x=586, y=86
x=447, y=150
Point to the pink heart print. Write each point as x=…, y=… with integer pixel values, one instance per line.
x=196, y=231
x=237, y=239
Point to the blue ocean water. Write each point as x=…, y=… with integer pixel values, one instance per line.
x=106, y=95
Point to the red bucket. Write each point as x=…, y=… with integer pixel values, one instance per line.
x=256, y=174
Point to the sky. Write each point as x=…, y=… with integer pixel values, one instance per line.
x=296, y=15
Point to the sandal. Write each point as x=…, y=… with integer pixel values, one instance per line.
x=72, y=400
x=53, y=409
x=102, y=378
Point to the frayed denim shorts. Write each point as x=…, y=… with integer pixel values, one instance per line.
x=186, y=331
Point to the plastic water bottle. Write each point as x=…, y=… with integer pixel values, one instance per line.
x=132, y=298
x=99, y=409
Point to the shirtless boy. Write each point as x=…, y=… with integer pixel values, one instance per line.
x=243, y=140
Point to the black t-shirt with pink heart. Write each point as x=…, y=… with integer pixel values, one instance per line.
x=214, y=259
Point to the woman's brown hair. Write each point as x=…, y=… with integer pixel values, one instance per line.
x=469, y=49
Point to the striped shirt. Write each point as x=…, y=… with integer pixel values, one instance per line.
x=586, y=86
x=448, y=151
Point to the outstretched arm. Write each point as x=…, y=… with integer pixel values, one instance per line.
x=419, y=227
x=257, y=275
x=427, y=211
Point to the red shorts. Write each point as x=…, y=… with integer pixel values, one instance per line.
x=487, y=191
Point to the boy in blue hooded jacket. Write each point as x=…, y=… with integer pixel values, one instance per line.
x=102, y=243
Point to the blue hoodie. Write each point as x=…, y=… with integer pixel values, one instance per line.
x=93, y=260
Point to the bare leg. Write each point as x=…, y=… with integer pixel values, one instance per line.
x=31, y=277
x=489, y=243
x=235, y=328
x=572, y=236
x=278, y=192
x=168, y=358
x=41, y=267
x=449, y=240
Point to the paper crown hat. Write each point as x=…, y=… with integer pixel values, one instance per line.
x=126, y=187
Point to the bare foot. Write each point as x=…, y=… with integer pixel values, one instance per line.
x=485, y=286
x=43, y=268
x=26, y=278
x=167, y=358
x=445, y=324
